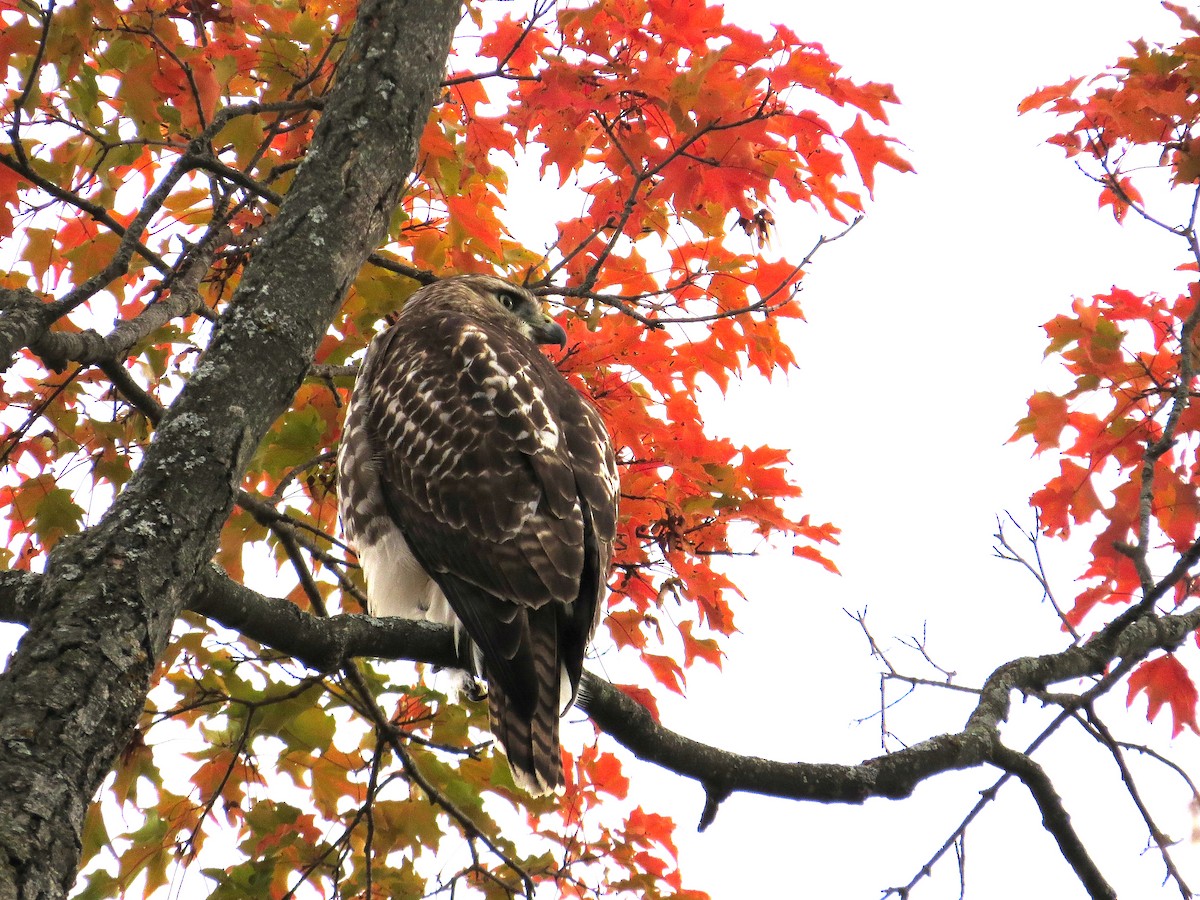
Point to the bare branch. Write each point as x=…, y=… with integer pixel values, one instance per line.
x=956, y=838
x=1004, y=550
x=1157, y=838
x=329, y=643
x=1055, y=819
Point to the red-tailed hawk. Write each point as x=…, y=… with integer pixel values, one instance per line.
x=480, y=491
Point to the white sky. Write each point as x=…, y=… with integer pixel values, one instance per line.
x=922, y=343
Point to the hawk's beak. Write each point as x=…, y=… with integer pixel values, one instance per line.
x=550, y=332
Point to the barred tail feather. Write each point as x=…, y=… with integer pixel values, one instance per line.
x=526, y=724
x=531, y=745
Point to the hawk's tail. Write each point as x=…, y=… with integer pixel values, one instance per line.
x=530, y=741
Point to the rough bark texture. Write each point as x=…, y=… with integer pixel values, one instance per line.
x=327, y=644
x=25, y=318
x=77, y=684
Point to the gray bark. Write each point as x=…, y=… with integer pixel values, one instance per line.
x=78, y=681
x=327, y=644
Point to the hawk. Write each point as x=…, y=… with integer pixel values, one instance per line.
x=479, y=489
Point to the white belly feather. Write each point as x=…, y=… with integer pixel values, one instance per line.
x=398, y=586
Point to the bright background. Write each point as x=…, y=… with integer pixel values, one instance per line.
x=923, y=342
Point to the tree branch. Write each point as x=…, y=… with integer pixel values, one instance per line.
x=1096, y=727
x=1056, y=819
x=326, y=644
x=67, y=705
x=330, y=644
x=19, y=592
x=23, y=318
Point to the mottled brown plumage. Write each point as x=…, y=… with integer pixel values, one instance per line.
x=480, y=490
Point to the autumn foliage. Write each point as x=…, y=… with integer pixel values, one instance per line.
x=622, y=159
x=1126, y=434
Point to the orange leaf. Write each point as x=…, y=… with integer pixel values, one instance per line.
x=816, y=556
x=605, y=773
x=1165, y=680
x=1187, y=19
x=694, y=648
x=1066, y=498
x=666, y=671
x=1120, y=197
x=1045, y=422
x=1088, y=598
x=870, y=150
x=1045, y=95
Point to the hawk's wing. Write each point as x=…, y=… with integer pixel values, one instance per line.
x=502, y=480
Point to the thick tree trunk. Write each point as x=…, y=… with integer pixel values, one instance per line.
x=77, y=684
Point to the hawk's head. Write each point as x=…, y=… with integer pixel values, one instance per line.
x=487, y=297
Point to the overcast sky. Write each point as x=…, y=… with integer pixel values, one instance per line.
x=923, y=342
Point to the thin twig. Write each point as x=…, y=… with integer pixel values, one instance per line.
x=1037, y=569
x=1157, y=837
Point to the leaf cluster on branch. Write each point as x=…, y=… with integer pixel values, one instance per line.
x=215, y=207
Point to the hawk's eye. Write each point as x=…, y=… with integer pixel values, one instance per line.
x=509, y=299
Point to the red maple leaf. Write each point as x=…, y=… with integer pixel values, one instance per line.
x=869, y=150
x=1165, y=680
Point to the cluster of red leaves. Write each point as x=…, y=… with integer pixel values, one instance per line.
x=123, y=90
x=1127, y=433
x=663, y=124
x=668, y=133
x=1102, y=428
x=1145, y=100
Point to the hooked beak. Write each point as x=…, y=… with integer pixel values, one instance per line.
x=550, y=332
